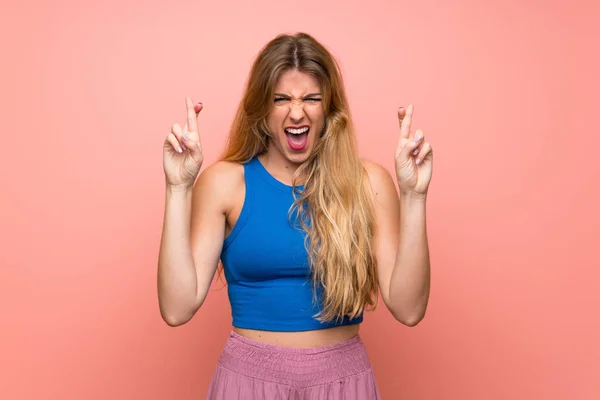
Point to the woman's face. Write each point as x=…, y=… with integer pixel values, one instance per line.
x=297, y=117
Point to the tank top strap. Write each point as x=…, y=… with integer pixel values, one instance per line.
x=251, y=174
x=251, y=181
x=259, y=184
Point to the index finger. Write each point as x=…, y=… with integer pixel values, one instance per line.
x=404, y=119
x=192, y=123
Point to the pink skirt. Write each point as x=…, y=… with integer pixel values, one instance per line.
x=252, y=370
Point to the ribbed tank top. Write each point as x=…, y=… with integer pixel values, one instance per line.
x=265, y=261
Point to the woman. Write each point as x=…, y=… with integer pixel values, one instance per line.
x=308, y=233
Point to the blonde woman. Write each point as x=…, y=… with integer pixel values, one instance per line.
x=308, y=234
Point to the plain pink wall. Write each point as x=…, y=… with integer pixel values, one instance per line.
x=505, y=91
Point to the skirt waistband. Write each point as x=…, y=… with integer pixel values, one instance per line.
x=297, y=367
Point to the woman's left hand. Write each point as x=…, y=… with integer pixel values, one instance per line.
x=414, y=157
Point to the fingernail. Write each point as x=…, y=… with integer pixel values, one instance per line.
x=415, y=152
x=418, y=135
x=184, y=136
x=418, y=161
x=183, y=147
x=401, y=108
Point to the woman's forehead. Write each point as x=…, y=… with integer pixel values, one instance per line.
x=297, y=83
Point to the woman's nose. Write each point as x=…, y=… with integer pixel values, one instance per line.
x=296, y=109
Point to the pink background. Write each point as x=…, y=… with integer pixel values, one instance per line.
x=506, y=92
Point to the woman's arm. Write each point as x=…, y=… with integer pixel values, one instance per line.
x=192, y=239
x=401, y=247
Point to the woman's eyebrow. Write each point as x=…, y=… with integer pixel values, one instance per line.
x=308, y=95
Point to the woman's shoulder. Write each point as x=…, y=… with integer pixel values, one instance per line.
x=375, y=171
x=224, y=169
x=379, y=178
x=220, y=180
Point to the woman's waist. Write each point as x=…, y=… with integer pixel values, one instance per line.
x=301, y=339
x=293, y=365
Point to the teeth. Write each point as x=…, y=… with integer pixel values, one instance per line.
x=296, y=131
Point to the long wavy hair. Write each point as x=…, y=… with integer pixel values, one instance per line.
x=335, y=207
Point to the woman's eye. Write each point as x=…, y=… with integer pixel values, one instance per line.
x=283, y=100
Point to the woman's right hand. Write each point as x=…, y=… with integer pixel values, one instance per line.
x=182, y=153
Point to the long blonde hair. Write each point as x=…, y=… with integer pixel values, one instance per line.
x=335, y=207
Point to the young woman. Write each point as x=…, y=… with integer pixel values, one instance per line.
x=308, y=233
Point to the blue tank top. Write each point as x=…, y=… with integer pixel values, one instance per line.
x=265, y=261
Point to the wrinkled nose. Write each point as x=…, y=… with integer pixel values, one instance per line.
x=296, y=111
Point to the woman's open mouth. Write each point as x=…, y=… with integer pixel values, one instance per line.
x=297, y=137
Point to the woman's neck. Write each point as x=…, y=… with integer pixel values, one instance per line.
x=279, y=167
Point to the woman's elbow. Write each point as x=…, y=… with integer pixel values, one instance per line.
x=175, y=318
x=174, y=321
x=409, y=319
